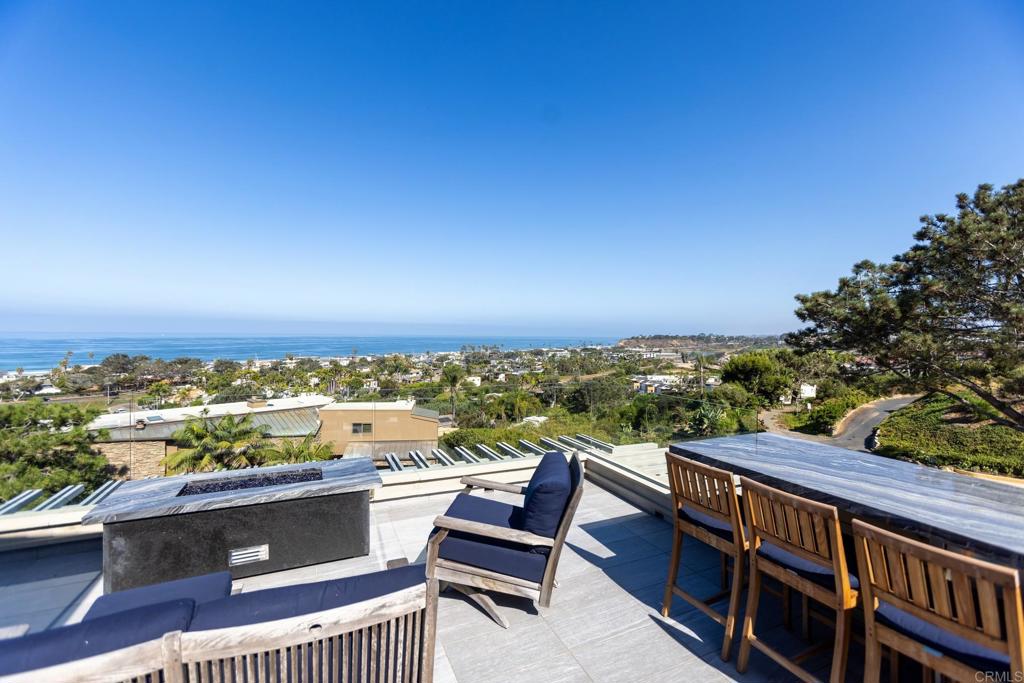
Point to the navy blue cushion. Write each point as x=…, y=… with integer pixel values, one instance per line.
x=710, y=524
x=949, y=644
x=547, y=495
x=292, y=601
x=504, y=557
x=93, y=637
x=822, y=576
x=197, y=588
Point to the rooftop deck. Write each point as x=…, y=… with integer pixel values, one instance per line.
x=603, y=624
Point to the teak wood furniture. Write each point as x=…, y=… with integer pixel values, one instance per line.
x=384, y=638
x=797, y=542
x=707, y=509
x=959, y=616
x=532, y=559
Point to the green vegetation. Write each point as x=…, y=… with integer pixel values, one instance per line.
x=938, y=430
x=826, y=416
x=308, y=449
x=46, y=446
x=205, y=445
x=947, y=312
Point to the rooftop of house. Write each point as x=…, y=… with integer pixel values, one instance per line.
x=213, y=410
x=371, y=405
x=603, y=624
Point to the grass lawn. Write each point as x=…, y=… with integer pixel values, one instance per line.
x=936, y=431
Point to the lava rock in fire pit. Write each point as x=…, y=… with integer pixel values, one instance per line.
x=235, y=483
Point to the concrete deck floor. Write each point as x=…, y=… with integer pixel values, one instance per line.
x=603, y=624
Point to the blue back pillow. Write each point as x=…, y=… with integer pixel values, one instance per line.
x=546, y=495
x=94, y=637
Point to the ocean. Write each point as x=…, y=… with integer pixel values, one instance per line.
x=44, y=352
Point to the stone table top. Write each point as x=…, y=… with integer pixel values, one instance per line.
x=158, y=497
x=955, y=510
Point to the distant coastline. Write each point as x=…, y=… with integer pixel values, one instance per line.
x=43, y=352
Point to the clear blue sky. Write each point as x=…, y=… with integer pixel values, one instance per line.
x=521, y=167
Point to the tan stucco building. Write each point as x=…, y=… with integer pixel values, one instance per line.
x=375, y=428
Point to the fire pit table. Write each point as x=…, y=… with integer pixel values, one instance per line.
x=251, y=521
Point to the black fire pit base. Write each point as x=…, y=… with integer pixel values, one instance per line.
x=247, y=540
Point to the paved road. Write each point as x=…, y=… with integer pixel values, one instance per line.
x=862, y=422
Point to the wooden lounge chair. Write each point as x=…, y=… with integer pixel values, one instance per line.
x=707, y=509
x=959, y=616
x=374, y=627
x=484, y=544
x=798, y=542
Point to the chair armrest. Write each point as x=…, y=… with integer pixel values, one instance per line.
x=491, y=531
x=488, y=485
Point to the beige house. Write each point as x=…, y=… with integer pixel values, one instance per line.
x=376, y=428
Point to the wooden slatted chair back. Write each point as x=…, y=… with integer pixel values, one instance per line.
x=967, y=597
x=805, y=528
x=706, y=489
x=390, y=638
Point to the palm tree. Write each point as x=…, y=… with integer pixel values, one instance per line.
x=452, y=374
x=206, y=445
x=307, y=450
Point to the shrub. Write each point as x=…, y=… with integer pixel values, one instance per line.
x=827, y=414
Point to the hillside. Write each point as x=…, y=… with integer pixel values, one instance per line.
x=936, y=431
x=705, y=343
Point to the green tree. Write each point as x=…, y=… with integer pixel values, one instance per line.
x=760, y=373
x=205, y=445
x=307, y=450
x=949, y=311
x=48, y=446
x=451, y=376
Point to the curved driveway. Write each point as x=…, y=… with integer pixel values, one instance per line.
x=858, y=425
x=861, y=423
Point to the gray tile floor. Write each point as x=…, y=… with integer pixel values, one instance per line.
x=604, y=622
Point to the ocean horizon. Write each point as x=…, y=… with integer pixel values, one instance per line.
x=44, y=352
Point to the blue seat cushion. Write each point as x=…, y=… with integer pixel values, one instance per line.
x=94, y=637
x=504, y=557
x=706, y=522
x=291, y=601
x=547, y=495
x=823, y=576
x=949, y=644
x=200, y=589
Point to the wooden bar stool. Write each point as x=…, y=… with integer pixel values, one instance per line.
x=706, y=507
x=798, y=542
x=956, y=615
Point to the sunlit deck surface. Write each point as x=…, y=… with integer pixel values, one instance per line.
x=603, y=623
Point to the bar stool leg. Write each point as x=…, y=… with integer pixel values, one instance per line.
x=787, y=608
x=805, y=616
x=844, y=626
x=753, y=598
x=734, y=606
x=673, y=572
x=873, y=660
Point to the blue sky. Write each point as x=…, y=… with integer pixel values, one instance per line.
x=529, y=167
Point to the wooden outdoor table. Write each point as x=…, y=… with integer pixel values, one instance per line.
x=967, y=514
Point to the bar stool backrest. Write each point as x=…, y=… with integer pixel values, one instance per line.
x=805, y=528
x=967, y=597
x=706, y=489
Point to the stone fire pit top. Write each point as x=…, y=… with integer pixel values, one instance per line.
x=159, y=497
